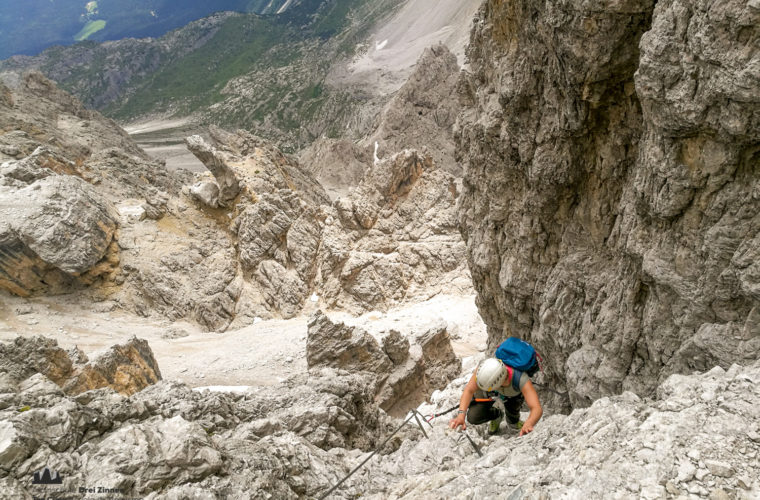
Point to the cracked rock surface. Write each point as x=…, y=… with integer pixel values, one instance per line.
x=610, y=201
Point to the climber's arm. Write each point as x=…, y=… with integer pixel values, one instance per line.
x=531, y=399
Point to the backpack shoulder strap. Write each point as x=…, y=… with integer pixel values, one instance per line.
x=516, y=376
x=510, y=372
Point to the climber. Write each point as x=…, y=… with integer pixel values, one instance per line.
x=492, y=385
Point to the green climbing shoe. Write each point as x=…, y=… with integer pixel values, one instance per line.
x=493, y=425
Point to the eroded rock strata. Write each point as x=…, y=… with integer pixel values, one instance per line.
x=86, y=211
x=610, y=202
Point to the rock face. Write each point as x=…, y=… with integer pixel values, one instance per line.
x=406, y=373
x=421, y=114
x=610, y=201
x=393, y=238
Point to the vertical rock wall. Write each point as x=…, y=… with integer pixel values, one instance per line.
x=611, y=201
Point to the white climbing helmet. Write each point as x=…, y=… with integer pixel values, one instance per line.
x=491, y=374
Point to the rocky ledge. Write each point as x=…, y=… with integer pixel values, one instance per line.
x=698, y=438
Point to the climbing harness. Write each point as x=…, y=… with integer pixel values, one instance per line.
x=413, y=415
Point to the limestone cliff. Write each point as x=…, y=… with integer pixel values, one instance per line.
x=610, y=202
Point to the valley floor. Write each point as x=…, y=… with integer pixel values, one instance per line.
x=165, y=140
x=258, y=355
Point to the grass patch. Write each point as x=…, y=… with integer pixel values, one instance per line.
x=90, y=29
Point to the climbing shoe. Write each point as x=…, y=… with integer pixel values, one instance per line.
x=517, y=425
x=493, y=425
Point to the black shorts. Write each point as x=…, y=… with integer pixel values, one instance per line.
x=481, y=411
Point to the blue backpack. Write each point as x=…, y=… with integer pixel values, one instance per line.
x=519, y=355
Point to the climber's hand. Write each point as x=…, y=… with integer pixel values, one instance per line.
x=458, y=421
x=526, y=428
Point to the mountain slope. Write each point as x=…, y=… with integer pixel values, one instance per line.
x=292, y=77
x=283, y=60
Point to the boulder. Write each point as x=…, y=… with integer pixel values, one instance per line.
x=338, y=345
x=126, y=368
x=53, y=231
x=32, y=364
x=407, y=372
x=27, y=356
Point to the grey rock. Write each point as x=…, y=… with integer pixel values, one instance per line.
x=226, y=180
x=396, y=347
x=718, y=468
x=206, y=192
x=565, y=453
x=28, y=356
x=428, y=363
x=37, y=386
x=338, y=345
x=609, y=201
x=143, y=457
x=53, y=231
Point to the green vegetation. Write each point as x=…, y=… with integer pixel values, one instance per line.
x=196, y=80
x=89, y=29
x=262, y=73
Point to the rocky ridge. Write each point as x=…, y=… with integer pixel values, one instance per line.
x=255, y=237
x=420, y=116
x=610, y=200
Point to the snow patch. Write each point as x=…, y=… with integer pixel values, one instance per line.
x=380, y=45
x=224, y=388
x=284, y=7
